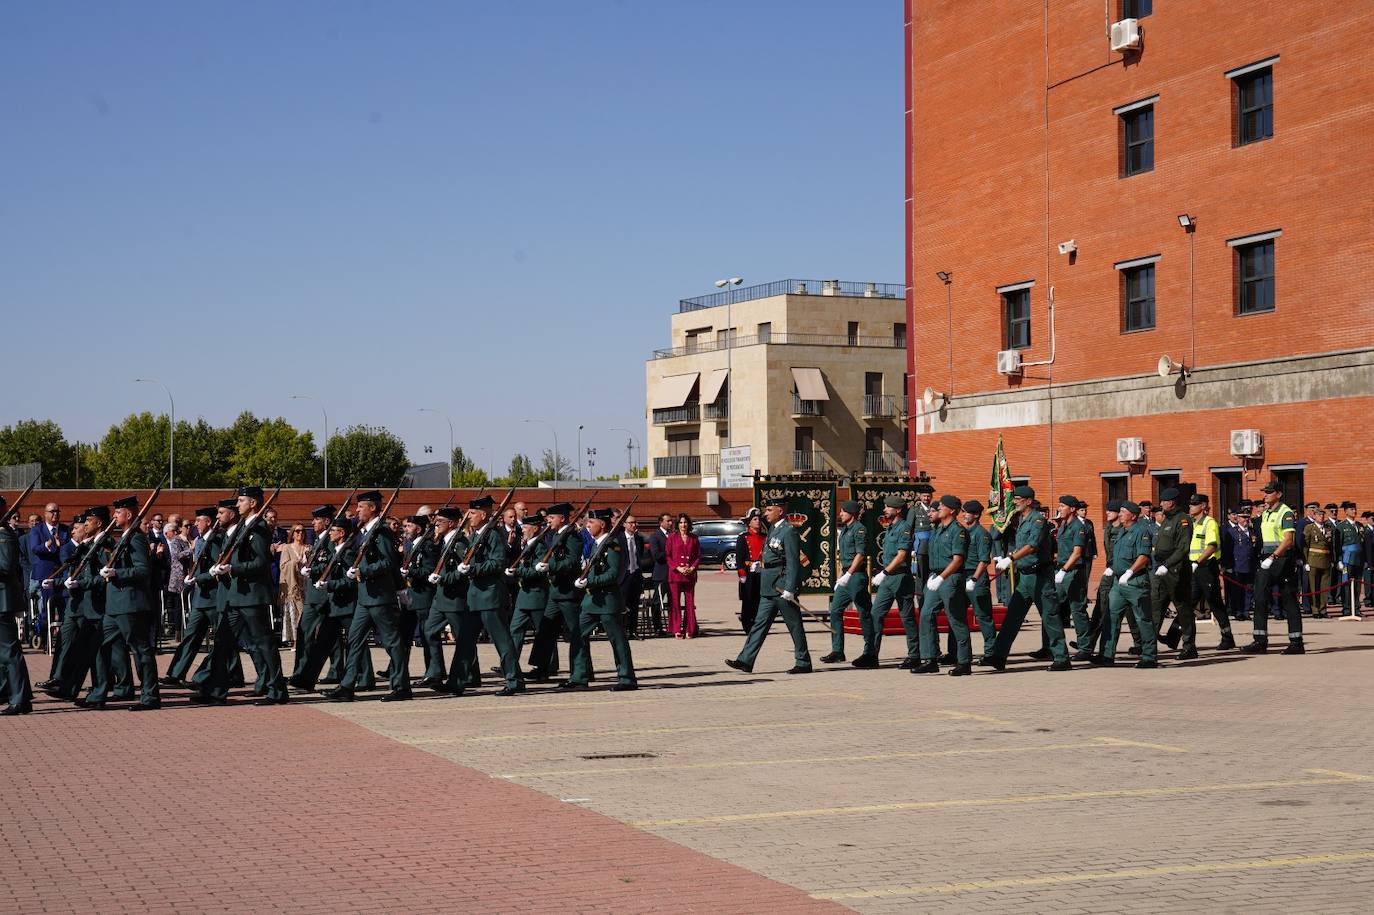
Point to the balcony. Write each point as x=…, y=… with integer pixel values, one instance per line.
x=885, y=461
x=794, y=287
x=720, y=410
x=687, y=413
x=880, y=406
x=710, y=465
x=808, y=461
x=807, y=407
x=777, y=338
x=680, y=465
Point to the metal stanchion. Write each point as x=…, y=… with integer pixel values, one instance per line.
x=1354, y=616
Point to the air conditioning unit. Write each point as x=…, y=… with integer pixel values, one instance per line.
x=1130, y=450
x=1126, y=35
x=1009, y=361
x=1246, y=442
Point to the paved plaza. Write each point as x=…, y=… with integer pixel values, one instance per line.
x=1230, y=783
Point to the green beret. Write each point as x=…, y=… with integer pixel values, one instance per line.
x=894, y=502
x=1132, y=507
x=1023, y=492
x=851, y=506
x=951, y=502
x=1070, y=501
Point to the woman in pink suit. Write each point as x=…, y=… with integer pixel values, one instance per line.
x=684, y=556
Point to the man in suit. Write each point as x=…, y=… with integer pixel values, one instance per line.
x=1238, y=562
x=638, y=560
x=14, y=672
x=658, y=548
x=46, y=541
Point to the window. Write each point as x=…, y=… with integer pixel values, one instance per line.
x=1254, y=277
x=1137, y=141
x=873, y=440
x=1291, y=478
x=693, y=337
x=1136, y=9
x=1226, y=492
x=1166, y=480
x=853, y=333
x=873, y=384
x=722, y=336
x=1016, y=318
x=899, y=336
x=765, y=332
x=1138, y=298
x=683, y=444
x=1254, y=101
x=1114, y=488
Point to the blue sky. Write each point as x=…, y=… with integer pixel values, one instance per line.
x=486, y=208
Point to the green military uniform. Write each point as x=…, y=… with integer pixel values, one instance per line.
x=82, y=622
x=128, y=619
x=247, y=593
x=341, y=600
x=88, y=600
x=204, y=603
x=1034, y=584
x=603, y=604
x=896, y=587
x=449, y=609
x=14, y=671
x=424, y=554
x=1071, y=589
x=563, y=612
x=947, y=542
x=378, y=577
x=1097, y=633
x=1318, y=547
x=1275, y=524
x=852, y=543
x=487, y=595
x=980, y=551
x=315, y=600
x=1131, y=596
x=531, y=595
x=1175, y=583
x=1351, y=558
x=781, y=572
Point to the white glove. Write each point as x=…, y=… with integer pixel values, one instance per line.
x=70, y=584
x=1307, y=566
x=189, y=579
x=1059, y=577
x=464, y=568
x=879, y=577
x=219, y=569
x=933, y=582
x=47, y=583
x=1268, y=561
x=434, y=578
x=580, y=583
x=107, y=573
x=405, y=570
x=1340, y=566
x=305, y=572
x=1195, y=567
x=541, y=566
x=789, y=597
x=320, y=584
x=1107, y=572
x=755, y=567
x=1003, y=563
x=510, y=573
x=842, y=580
x=1126, y=576
x=970, y=585
x=1161, y=571
x=564, y=528
x=351, y=574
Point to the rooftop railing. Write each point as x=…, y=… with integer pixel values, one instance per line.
x=781, y=339
x=794, y=287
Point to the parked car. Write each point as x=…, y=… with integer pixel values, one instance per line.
x=718, y=541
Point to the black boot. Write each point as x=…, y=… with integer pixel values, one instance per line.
x=1259, y=646
x=1295, y=646
x=926, y=667
x=835, y=657
x=1227, y=643
x=961, y=670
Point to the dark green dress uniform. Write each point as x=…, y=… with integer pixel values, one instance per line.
x=341, y=602
x=531, y=597
x=1350, y=553
x=424, y=554
x=315, y=600
x=449, y=608
x=248, y=594
x=853, y=542
x=1172, y=542
x=128, y=619
x=1072, y=592
x=1275, y=523
x=563, y=613
x=14, y=671
x=919, y=521
x=947, y=541
x=781, y=572
x=1132, y=596
x=980, y=551
x=378, y=611
x=204, y=603
x=896, y=587
x=84, y=610
x=487, y=594
x=1034, y=584
x=1102, y=607
x=603, y=605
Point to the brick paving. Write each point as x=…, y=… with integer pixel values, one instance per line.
x=1227, y=784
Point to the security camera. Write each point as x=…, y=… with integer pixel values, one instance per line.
x=1068, y=247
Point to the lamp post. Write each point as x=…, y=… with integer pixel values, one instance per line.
x=324, y=448
x=450, y=440
x=579, y=454
x=629, y=449
x=726, y=285
x=557, y=460
x=171, y=431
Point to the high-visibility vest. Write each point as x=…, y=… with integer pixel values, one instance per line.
x=1205, y=533
x=1271, y=526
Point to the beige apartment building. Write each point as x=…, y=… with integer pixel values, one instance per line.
x=812, y=374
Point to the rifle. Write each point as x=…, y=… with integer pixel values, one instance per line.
x=245, y=525
x=127, y=537
x=371, y=535
x=448, y=547
x=95, y=545
x=9, y=513
x=482, y=531
x=315, y=554
x=529, y=547
x=606, y=541
x=429, y=526
x=562, y=537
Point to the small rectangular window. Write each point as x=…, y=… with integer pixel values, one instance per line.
x=1138, y=298
x=1254, y=99
x=853, y=333
x=765, y=332
x=1137, y=141
x=1136, y=9
x=1016, y=318
x=1255, y=277
x=899, y=336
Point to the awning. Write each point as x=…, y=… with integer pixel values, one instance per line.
x=711, y=387
x=674, y=390
x=810, y=384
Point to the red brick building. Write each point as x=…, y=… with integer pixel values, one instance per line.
x=1048, y=175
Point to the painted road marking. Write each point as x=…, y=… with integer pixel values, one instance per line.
x=463, y=705
x=1130, y=873
x=1332, y=778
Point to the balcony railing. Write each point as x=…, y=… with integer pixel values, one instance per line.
x=794, y=287
x=883, y=462
x=687, y=413
x=678, y=465
x=808, y=461
x=777, y=338
x=807, y=407
x=880, y=406
x=710, y=465
x=718, y=410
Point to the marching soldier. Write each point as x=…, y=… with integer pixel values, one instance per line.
x=449, y=606
x=1278, y=535
x=1173, y=581
x=978, y=584
x=415, y=601
x=602, y=604
x=1032, y=554
x=245, y=575
x=376, y=572
x=422, y=556
x=127, y=620
x=1070, y=577
x=329, y=576
x=945, y=590
x=780, y=579
x=14, y=672
x=895, y=585
x=1204, y=552
x=205, y=593
x=1131, y=555
x=315, y=599
x=563, y=612
x=852, y=586
x=487, y=594
x=531, y=586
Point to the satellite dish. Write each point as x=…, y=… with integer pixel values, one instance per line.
x=1168, y=366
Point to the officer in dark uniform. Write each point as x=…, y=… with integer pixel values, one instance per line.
x=204, y=589
x=1350, y=559
x=602, y=605
x=421, y=556
x=1032, y=555
x=978, y=585
x=316, y=601
x=1070, y=576
x=564, y=609
x=778, y=585
x=128, y=617
x=944, y=590
x=245, y=574
x=1172, y=576
x=377, y=572
x=1131, y=554
x=488, y=593
x=329, y=576
x=531, y=585
x=14, y=672
x=851, y=588
x=449, y=608
x=894, y=582
x=919, y=520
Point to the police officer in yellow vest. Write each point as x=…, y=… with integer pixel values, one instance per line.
x=1278, y=534
x=1204, y=552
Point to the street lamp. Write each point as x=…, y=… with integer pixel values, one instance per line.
x=579, y=454
x=629, y=449
x=726, y=285
x=557, y=460
x=450, y=440
x=324, y=448
x=171, y=431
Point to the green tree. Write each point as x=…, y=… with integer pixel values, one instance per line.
x=40, y=441
x=466, y=473
x=132, y=454
x=637, y=473
x=367, y=456
x=275, y=453
x=551, y=468
x=202, y=455
x=520, y=473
